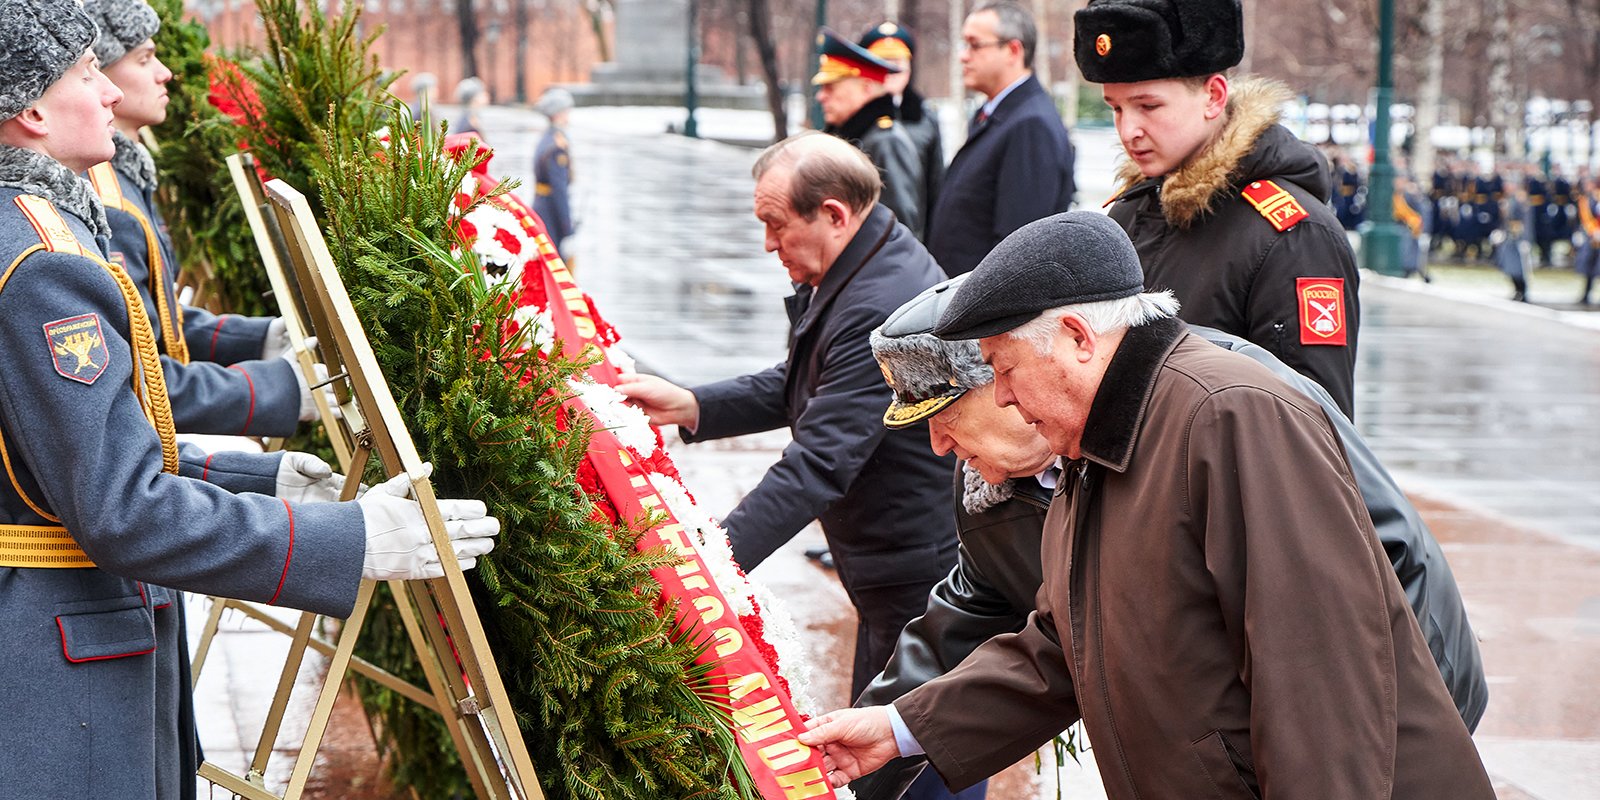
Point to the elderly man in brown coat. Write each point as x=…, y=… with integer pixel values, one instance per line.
x=1239, y=635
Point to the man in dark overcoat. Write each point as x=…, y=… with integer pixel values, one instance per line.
x=1216, y=606
x=858, y=108
x=894, y=43
x=1016, y=165
x=883, y=499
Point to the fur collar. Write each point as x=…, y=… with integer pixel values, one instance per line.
x=1117, y=413
x=133, y=161
x=36, y=173
x=979, y=495
x=1190, y=192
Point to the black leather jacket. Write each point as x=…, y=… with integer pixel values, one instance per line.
x=991, y=590
x=877, y=130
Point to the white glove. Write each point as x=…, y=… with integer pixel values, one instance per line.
x=399, y=546
x=304, y=478
x=308, y=403
x=277, y=341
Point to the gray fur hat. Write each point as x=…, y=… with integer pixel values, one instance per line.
x=926, y=373
x=124, y=25
x=39, y=41
x=554, y=101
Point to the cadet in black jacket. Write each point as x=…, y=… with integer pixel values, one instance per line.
x=882, y=497
x=1224, y=205
x=1005, y=484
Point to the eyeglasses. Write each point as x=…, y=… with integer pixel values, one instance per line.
x=970, y=46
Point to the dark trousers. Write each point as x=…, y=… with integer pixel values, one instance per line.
x=929, y=787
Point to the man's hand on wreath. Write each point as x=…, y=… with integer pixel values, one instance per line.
x=664, y=402
x=854, y=742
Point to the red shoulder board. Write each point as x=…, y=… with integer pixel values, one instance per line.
x=1275, y=203
x=1321, y=302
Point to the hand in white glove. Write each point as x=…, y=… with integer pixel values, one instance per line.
x=304, y=478
x=308, y=403
x=399, y=546
x=277, y=341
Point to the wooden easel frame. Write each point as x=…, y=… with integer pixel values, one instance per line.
x=464, y=685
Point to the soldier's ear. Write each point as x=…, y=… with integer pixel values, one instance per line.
x=30, y=121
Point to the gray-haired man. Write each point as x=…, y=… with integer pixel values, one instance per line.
x=932, y=382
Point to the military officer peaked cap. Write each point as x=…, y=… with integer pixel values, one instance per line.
x=1065, y=260
x=843, y=59
x=926, y=373
x=1127, y=41
x=889, y=42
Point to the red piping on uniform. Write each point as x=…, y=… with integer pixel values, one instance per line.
x=289, y=555
x=69, y=657
x=206, y=470
x=251, y=414
x=214, y=334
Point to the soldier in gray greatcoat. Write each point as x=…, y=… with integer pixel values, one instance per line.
x=99, y=507
x=224, y=374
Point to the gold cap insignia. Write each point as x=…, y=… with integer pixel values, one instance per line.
x=1102, y=44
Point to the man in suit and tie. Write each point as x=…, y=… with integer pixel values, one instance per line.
x=1016, y=165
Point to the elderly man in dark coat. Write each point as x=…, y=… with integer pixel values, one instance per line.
x=1005, y=486
x=1242, y=634
x=1017, y=163
x=882, y=497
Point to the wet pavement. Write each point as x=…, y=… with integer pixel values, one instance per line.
x=1486, y=411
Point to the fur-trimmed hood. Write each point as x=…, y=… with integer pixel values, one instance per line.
x=36, y=173
x=133, y=161
x=1251, y=146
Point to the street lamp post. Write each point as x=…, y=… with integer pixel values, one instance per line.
x=822, y=20
x=691, y=98
x=1380, y=242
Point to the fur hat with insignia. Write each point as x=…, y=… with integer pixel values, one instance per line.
x=841, y=59
x=39, y=41
x=890, y=42
x=124, y=25
x=926, y=373
x=1127, y=41
x=1065, y=260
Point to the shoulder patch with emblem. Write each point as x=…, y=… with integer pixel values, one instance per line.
x=78, y=347
x=1275, y=203
x=1321, y=305
x=47, y=222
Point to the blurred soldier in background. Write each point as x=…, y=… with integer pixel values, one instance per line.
x=894, y=44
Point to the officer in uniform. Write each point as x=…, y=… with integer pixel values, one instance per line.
x=1350, y=194
x=99, y=507
x=1442, y=202
x=1003, y=490
x=858, y=108
x=228, y=374
x=894, y=44
x=1489, y=191
x=1540, y=205
x=552, y=169
x=1561, y=210
x=1224, y=205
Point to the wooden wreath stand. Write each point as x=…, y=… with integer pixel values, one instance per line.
x=463, y=683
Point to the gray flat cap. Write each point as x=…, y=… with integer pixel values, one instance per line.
x=1067, y=259
x=124, y=25
x=39, y=41
x=926, y=373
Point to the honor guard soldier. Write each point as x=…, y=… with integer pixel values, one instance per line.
x=857, y=107
x=1224, y=205
x=1561, y=211
x=1442, y=200
x=99, y=507
x=227, y=374
x=552, y=169
x=1541, y=204
x=894, y=44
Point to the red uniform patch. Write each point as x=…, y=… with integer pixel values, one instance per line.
x=1321, y=302
x=1275, y=203
x=78, y=347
